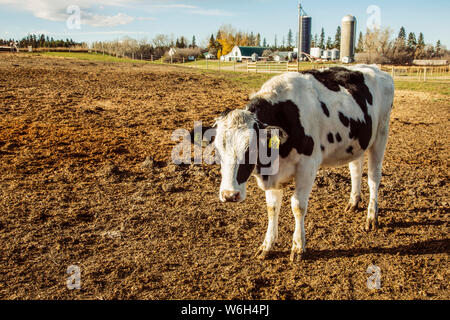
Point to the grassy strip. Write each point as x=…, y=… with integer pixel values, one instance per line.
x=250, y=81
x=92, y=57
x=429, y=86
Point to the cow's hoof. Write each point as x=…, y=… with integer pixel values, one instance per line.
x=262, y=253
x=297, y=255
x=371, y=225
x=351, y=208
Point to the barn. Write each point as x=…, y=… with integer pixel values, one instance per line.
x=243, y=53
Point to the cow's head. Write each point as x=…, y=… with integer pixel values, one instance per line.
x=238, y=138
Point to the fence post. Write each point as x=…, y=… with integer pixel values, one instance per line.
x=207, y=63
x=425, y=74
x=219, y=65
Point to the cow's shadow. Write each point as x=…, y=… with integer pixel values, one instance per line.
x=418, y=248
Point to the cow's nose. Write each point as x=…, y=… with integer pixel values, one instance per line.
x=231, y=196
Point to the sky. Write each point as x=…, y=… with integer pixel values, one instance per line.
x=139, y=19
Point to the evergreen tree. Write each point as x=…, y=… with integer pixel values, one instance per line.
x=421, y=41
x=212, y=42
x=251, y=39
x=275, y=43
x=194, y=43
x=412, y=42
x=360, y=46
x=438, y=48
x=402, y=34
x=315, y=41
x=329, y=43
x=258, y=40
x=290, y=39
x=265, y=43
x=337, y=38
x=322, y=39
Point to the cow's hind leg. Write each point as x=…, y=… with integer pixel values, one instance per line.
x=376, y=155
x=273, y=200
x=299, y=202
x=356, y=174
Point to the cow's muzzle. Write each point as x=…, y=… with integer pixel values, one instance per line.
x=231, y=196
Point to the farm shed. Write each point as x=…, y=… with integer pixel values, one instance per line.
x=282, y=56
x=430, y=62
x=243, y=53
x=316, y=52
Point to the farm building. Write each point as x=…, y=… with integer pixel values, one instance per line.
x=210, y=56
x=282, y=56
x=430, y=62
x=316, y=52
x=243, y=53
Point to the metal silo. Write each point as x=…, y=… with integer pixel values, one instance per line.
x=304, y=33
x=348, y=39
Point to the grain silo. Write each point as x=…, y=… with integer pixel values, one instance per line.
x=348, y=39
x=304, y=32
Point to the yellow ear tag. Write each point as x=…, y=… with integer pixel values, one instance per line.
x=274, y=142
x=198, y=138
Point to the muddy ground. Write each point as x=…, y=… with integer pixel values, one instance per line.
x=75, y=190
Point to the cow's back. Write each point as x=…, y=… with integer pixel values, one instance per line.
x=342, y=109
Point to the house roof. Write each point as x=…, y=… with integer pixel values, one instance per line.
x=248, y=51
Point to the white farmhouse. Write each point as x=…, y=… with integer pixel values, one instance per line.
x=243, y=53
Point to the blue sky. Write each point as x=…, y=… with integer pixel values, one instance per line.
x=112, y=19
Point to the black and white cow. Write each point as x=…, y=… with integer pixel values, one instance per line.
x=325, y=118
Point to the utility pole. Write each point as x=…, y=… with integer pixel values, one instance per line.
x=300, y=38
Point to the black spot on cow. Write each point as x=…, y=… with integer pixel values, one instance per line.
x=330, y=138
x=325, y=109
x=353, y=81
x=338, y=137
x=345, y=121
x=350, y=150
x=245, y=169
x=284, y=114
x=322, y=148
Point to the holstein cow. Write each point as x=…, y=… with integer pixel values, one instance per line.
x=325, y=118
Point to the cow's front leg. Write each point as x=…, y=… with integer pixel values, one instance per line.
x=273, y=199
x=299, y=202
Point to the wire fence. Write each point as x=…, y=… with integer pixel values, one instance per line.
x=430, y=73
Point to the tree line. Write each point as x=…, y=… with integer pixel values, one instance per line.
x=379, y=46
x=42, y=41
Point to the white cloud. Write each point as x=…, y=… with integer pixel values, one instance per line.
x=92, y=12
x=55, y=10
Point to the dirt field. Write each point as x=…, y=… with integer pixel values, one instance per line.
x=74, y=191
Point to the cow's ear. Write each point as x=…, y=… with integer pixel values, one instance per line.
x=203, y=136
x=280, y=138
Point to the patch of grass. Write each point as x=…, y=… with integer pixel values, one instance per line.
x=91, y=57
x=251, y=81
x=429, y=86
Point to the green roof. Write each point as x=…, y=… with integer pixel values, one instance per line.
x=248, y=51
